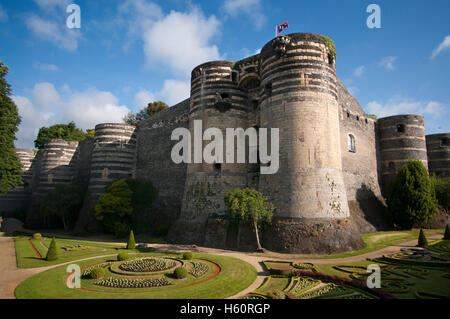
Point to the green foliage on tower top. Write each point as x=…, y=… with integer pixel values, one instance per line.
x=151, y=109
x=330, y=44
x=67, y=132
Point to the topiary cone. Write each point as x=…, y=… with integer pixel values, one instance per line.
x=423, y=242
x=447, y=232
x=131, y=243
x=52, y=253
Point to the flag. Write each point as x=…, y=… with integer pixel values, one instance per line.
x=281, y=27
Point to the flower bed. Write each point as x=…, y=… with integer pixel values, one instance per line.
x=114, y=282
x=147, y=265
x=343, y=281
x=198, y=269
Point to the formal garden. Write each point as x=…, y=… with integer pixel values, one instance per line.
x=404, y=275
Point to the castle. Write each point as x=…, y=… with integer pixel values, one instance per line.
x=335, y=161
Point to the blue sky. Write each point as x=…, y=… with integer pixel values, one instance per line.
x=128, y=53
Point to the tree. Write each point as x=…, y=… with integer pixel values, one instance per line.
x=63, y=203
x=249, y=205
x=151, y=109
x=52, y=253
x=442, y=189
x=123, y=198
x=422, y=242
x=114, y=208
x=412, y=199
x=131, y=243
x=447, y=232
x=68, y=132
x=10, y=166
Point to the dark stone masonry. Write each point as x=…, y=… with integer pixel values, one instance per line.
x=334, y=166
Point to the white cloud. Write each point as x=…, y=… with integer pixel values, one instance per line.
x=173, y=91
x=142, y=98
x=46, y=67
x=444, y=45
x=359, y=71
x=52, y=4
x=251, y=8
x=58, y=34
x=399, y=105
x=48, y=105
x=181, y=41
x=388, y=63
x=3, y=15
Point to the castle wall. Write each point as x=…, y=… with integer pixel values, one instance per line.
x=438, y=151
x=56, y=164
x=300, y=98
x=113, y=157
x=19, y=198
x=154, y=164
x=217, y=102
x=401, y=137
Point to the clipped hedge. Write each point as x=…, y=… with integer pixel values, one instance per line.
x=97, y=272
x=37, y=236
x=180, y=273
x=123, y=256
x=188, y=255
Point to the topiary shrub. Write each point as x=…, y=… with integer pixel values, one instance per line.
x=37, y=236
x=123, y=256
x=276, y=294
x=412, y=199
x=52, y=253
x=180, y=273
x=97, y=272
x=447, y=232
x=188, y=255
x=423, y=242
x=131, y=243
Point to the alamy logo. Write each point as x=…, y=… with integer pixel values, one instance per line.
x=212, y=153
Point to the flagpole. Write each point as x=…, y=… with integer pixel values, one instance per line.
x=276, y=27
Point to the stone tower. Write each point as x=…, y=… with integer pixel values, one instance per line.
x=438, y=150
x=216, y=102
x=56, y=164
x=299, y=96
x=401, y=137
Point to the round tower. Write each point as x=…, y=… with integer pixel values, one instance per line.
x=18, y=199
x=438, y=151
x=299, y=97
x=113, y=155
x=216, y=102
x=56, y=166
x=401, y=137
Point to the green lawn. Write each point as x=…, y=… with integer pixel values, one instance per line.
x=235, y=275
x=26, y=257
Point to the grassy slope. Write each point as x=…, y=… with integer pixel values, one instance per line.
x=235, y=276
x=26, y=258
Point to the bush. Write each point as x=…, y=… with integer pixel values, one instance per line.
x=52, y=253
x=280, y=271
x=447, y=232
x=423, y=242
x=188, y=255
x=123, y=256
x=97, y=272
x=442, y=190
x=412, y=199
x=180, y=273
x=37, y=236
x=276, y=294
x=131, y=243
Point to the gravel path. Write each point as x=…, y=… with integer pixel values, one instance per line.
x=11, y=276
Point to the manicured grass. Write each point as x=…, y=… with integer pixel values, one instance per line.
x=434, y=281
x=26, y=257
x=235, y=275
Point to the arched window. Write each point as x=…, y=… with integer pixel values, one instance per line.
x=401, y=128
x=351, y=144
